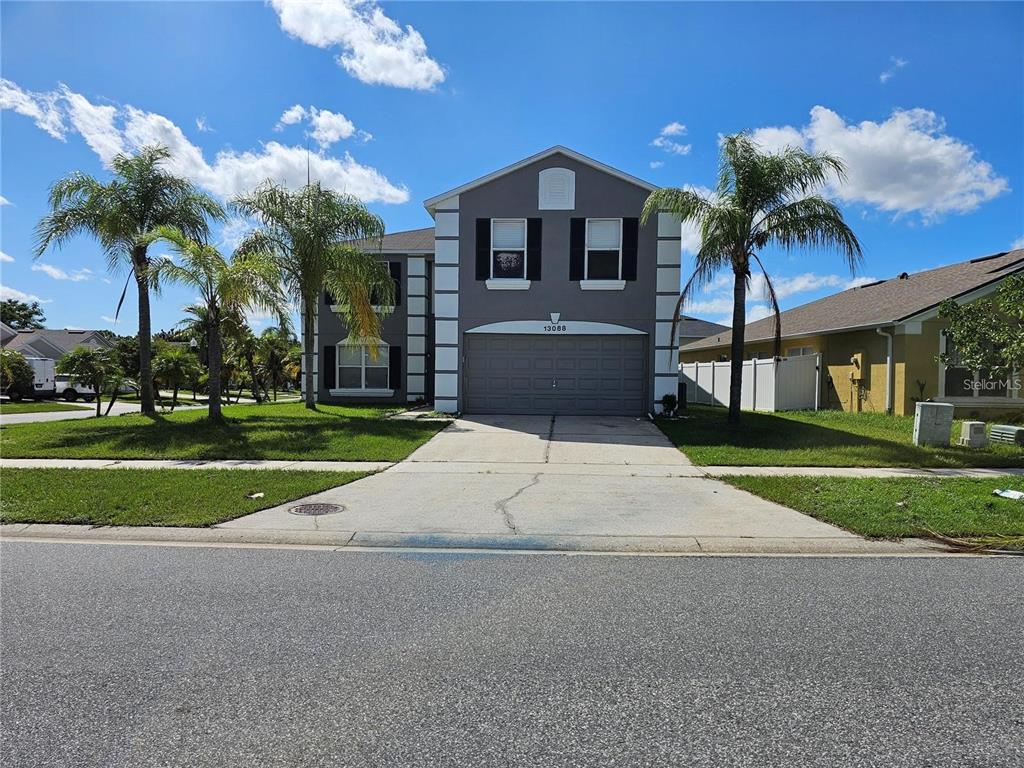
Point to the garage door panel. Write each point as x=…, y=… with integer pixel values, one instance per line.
x=561, y=375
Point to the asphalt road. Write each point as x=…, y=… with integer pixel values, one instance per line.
x=162, y=656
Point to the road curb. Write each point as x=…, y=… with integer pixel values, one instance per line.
x=696, y=545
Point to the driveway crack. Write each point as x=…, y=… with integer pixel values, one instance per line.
x=501, y=506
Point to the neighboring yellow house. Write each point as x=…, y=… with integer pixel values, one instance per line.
x=880, y=342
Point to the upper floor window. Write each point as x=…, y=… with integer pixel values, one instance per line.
x=508, y=249
x=604, y=250
x=360, y=368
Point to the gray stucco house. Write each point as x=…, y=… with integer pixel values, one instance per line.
x=536, y=291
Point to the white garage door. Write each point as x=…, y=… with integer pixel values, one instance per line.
x=589, y=375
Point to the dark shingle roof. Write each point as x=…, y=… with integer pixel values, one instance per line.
x=881, y=303
x=402, y=242
x=695, y=328
x=62, y=340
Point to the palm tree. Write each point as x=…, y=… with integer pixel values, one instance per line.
x=274, y=345
x=96, y=367
x=761, y=199
x=174, y=367
x=314, y=234
x=122, y=216
x=227, y=289
x=243, y=348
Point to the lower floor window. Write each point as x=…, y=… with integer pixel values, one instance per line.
x=360, y=368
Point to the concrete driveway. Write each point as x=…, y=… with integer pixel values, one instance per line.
x=530, y=476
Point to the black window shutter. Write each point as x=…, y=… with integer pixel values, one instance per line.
x=577, y=247
x=396, y=274
x=329, y=367
x=483, y=249
x=533, y=230
x=394, y=368
x=630, y=245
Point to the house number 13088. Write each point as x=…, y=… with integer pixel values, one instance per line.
x=554, y=328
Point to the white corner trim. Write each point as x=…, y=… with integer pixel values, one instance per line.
x=602, y=285
x=363, y=392
x=508, y=284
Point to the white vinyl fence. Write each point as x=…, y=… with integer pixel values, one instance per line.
x=783, y=384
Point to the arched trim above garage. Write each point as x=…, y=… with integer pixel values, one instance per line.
x=557, y=328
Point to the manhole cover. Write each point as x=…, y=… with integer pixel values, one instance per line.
x=315, y=510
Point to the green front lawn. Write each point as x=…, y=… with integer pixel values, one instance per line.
x=283, y=431
x=37, y=406
x=898, y=507
x=820, y=439
x=178, y=497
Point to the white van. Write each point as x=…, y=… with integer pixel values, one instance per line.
x=71, y=389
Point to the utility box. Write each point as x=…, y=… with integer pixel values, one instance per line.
x=933, y=423
x=972, y=434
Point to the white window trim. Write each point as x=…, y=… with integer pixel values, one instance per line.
x=604, y=285
x=363, y=390
x=1014, y=397
x=586, y=254
x=509, y=280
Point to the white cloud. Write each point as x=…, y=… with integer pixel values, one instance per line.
x=905, y=164
x=5, y=258
x=232, y=232
x=95, y=124
x=4, y=201
x=41, y=107
x=111, y=320
x=326, y=127
x=656, y=164
x=664, y=141
x=59, y=274
x=6, y=292
x=202, y=126
x=375, y=49
x=110, y=129
x=896, y=65
x=1017, y=244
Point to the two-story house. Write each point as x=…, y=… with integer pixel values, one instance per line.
x=537, y=291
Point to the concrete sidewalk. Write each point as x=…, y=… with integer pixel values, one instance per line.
x=416, y=465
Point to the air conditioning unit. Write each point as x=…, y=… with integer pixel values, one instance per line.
x=972, y=434
x=1007, y=433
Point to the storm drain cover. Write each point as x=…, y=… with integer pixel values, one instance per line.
x=315, y=510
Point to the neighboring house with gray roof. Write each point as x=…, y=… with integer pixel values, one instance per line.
x=691, y=329
x=537, y=290
x=55, y=343
x=880, y=342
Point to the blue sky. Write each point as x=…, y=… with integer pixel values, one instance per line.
x=400, y=101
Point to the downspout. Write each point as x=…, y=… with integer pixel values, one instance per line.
x=888, y=369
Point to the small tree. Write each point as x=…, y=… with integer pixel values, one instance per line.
x=96, y=367
x=272, y=357
x=21, y=315
x=16, y=375
x=174, y=367
x=988, y=334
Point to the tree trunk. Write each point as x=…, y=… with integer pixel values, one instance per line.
x=111, y=401
x=174, y=398
x=145, y=329
x=215, y=368
x=307, y=352
x=739, y=320
x=99, y=398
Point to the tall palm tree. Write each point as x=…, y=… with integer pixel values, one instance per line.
x=315, y=234
x=227, y=289
x=274, y=345
x=761, y=200
x=122, y=215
